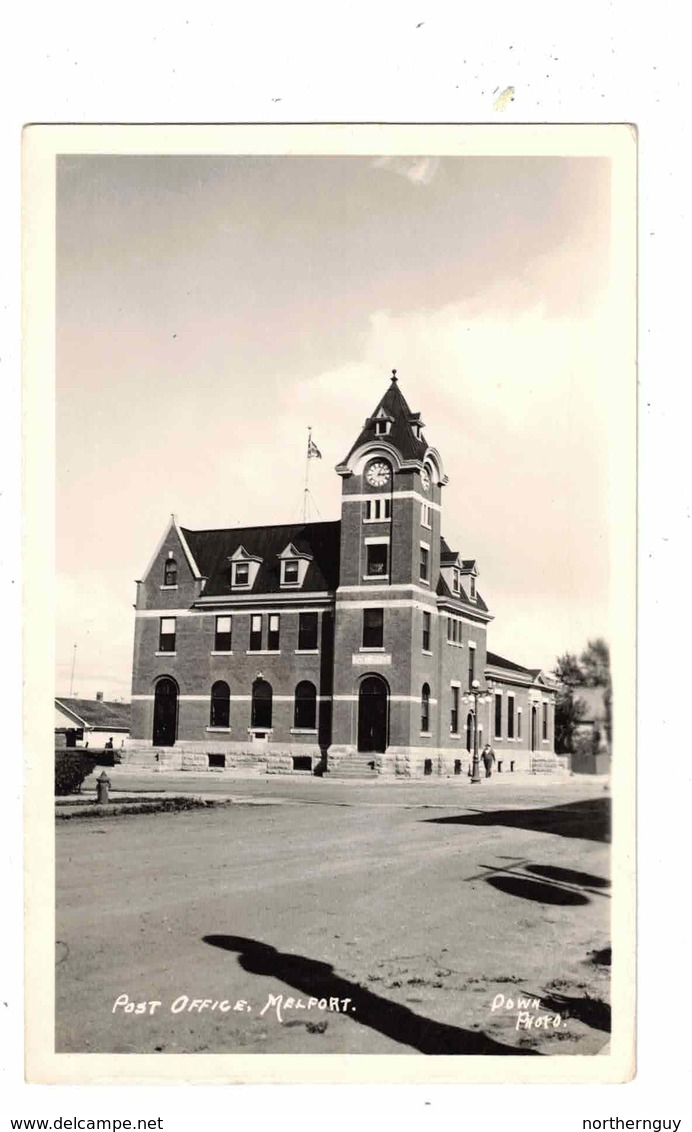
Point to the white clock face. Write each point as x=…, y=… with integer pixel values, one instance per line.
x=425, y=479
x=377, y=474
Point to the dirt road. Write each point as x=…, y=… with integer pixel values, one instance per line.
x=417, y=918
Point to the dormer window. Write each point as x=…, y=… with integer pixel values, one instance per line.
x=294, y=567
x=383, y=423
x=472, y=588
x=241, y=574
x=455, y=581
x=290, y=576
x=170, y=572
x=244, y=569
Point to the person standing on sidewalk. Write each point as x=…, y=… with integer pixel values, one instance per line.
x=488, y=758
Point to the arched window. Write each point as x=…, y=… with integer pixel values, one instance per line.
x=305, y=713
x=425, y=708
x=170, y=572
x=261, y=704
x=220, y=714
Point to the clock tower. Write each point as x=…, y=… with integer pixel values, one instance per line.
x=385, y=623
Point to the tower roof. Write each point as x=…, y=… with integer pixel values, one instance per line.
x=404, y=434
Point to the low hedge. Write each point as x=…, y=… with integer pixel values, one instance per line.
x=71, y=768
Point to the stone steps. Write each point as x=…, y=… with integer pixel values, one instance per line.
x=354, y=766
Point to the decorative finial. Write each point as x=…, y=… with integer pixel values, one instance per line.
x=394, y=377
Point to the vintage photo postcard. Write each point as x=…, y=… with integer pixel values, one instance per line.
x=330, y=641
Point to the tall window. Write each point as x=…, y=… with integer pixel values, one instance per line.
x=167, y=634
x=377, y=555
x=425, y=515
x=220, y=714
x=424, y=564
x=170, y=572
x=472, y=588
x=256, y=632
x=510, y=717
x=519, y=724
x=545, y=721
x=425, y=708
x=454, y=630
x=274, y=631
x=454, y=716
x=373, y=628
x=498, y=716
x=426, y=632
x=261, y=704
x=455, y=581
x=307, y=631
x=305, y=713
x=472, y=666
x=222, y=636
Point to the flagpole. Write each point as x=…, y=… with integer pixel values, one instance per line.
x=307, y=473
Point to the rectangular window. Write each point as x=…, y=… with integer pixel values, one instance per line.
x=545, y=721
x=241, y=574
x=167, y=634
x=425, y=515
x=519, y=724
x=472, y=666
x=273, y=634
x=426, y=632
x=424, y=564
x=457, y=632
x=472, y=588
x=376, y=562
x=222, y=637
x=510, y=717
x=256, y=632
x=450, y=629
x=290, y=573
x=455, y=581
x=373, y=628
x=378, y=510
x=454, y=717
x=307, y=630
x=498, y=716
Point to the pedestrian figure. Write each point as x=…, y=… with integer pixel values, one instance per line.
x=109, y=744
x=488, y=757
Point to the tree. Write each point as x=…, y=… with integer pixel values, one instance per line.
x=591, y=669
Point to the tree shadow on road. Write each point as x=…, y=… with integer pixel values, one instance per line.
x=530, y=889
x=588, y=819
x=314, y=978
x=592, y=1011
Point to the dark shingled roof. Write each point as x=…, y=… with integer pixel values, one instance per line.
x=443, y=590
x=212, y=550
x=401, y=434
x=502, y=662
x=104, y=715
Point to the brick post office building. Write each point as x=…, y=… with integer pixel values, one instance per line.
x=344, y=647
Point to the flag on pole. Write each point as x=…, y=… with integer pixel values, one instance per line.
x=313, y=450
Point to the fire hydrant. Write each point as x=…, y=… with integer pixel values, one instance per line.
x=103, y=783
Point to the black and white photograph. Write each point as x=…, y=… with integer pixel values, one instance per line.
x=344, y=478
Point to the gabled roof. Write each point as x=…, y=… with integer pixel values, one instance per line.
x=100, y=715
x=319, y=541
x=402, y=435
x=443, y=590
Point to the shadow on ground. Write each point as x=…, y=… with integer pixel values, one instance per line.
x=588, y=819
x=317, y=979
x=537, y=890
x=592, y=1011
x=568, y=876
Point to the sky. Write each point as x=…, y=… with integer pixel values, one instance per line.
x=210, y=309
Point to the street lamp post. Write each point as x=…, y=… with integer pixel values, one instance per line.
x=476, y=695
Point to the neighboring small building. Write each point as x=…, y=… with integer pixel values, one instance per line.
x=78, y=722
x=521, y=711
x=591, y=740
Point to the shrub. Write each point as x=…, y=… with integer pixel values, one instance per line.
x=71, y=768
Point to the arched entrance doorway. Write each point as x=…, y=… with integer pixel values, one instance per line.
x=534, y=728
x=165, y=712
x=373, y=703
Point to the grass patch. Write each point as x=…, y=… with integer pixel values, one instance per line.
x=172, y=805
